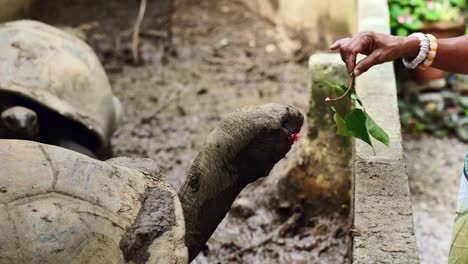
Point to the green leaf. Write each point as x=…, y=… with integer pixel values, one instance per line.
x=462, y=132
x=356, y=124
x=458, y=3
x=416, y=25
x=341, y=129
x=405, y=116
x=419, y=127
x=360, y=125
x=343, y=87
x=355, y=97
x=395, y=11
x=339, y=88
x=376, y=131
x=401, y=31
x=432, y=16
x=406, y=10
x=418, y=2
x=464, y=101
x=419, y=10
x=419, y=112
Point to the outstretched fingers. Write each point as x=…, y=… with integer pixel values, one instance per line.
x=363, y=43
x=349, y=49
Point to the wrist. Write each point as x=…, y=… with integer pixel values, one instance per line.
x=409, y=47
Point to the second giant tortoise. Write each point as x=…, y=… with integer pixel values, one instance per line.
x=54, y=90
x=59, y=206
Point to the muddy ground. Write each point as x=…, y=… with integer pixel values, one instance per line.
x=221, y=57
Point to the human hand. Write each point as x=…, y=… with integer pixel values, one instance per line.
x=378, y=47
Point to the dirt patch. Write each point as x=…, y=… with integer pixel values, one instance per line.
x=156, y=216
x=222, y=57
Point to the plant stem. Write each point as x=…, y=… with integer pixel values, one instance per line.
x=350, y=88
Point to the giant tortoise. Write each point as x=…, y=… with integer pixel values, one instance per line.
x=54, y=90
x=59, y=206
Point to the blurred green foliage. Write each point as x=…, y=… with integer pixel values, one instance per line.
x=447, y=116
x=408, y=16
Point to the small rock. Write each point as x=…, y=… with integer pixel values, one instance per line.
x=225, y=9
x=321, y=230
x=430, y=107
x=222, y=43
x=202, y=91
x=153, y=98
x=242, y=208
x=3, y=189
x=270, y=48
x=181, y=110
x=46, y=218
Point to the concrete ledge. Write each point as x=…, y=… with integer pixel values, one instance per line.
x=383, y=220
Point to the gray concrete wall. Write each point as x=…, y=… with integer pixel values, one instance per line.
x=383, y=220
x=381, y=207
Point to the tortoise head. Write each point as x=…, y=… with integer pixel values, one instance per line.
x=241, y=149
x=20, y=122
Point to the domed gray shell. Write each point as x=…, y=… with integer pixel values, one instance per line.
x=58, y=206
x=60, y=72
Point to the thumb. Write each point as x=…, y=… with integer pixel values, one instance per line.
x=366, y=63
x=339, y=43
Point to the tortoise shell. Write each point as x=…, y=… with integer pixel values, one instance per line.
x=60, y=72
x=59, y=206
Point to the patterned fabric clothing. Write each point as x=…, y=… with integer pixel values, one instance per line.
x=459, y=246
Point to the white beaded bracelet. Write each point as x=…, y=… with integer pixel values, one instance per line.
x=423, y=51
x=433, y=45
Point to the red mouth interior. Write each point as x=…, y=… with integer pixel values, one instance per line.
x=294, y=137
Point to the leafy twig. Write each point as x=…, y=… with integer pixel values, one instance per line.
x=358, y=122
x=350, y=88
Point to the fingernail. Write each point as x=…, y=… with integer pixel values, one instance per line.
x=356, y=73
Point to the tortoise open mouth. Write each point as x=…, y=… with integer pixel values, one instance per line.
x=294, y=137
x=292, y=122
